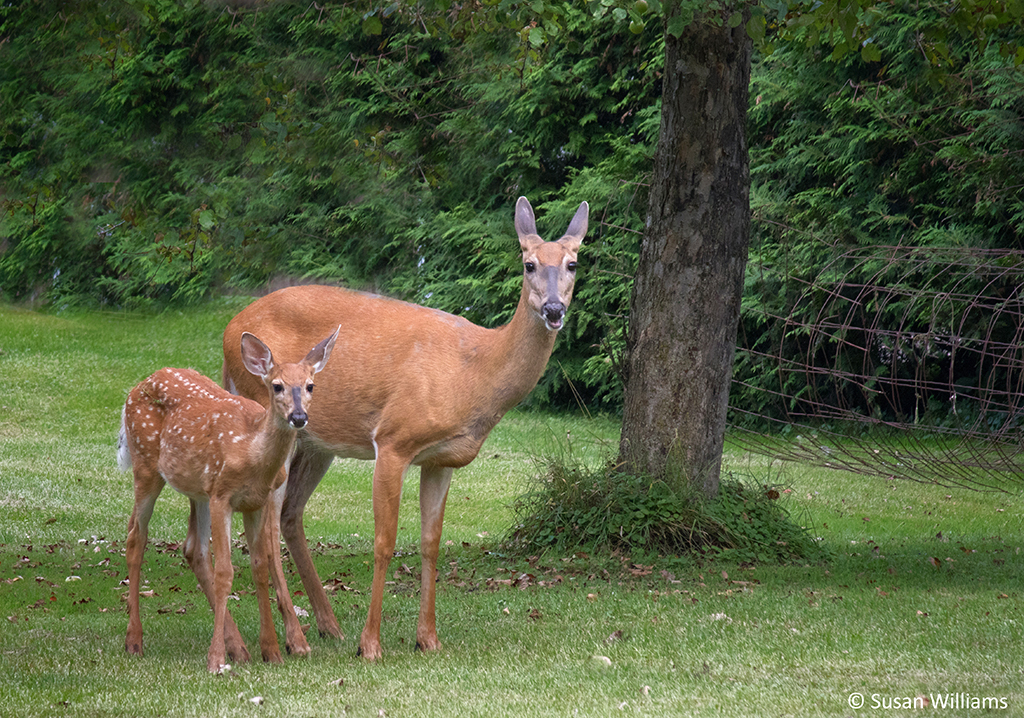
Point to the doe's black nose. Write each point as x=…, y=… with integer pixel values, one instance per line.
x=554, y=312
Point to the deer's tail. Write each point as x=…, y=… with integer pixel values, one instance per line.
x=124, y=457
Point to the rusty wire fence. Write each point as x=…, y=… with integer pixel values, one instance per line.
x=892, y=361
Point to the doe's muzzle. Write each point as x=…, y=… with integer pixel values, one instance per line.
x=554, y=313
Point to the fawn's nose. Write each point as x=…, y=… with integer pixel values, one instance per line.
x=297, y=418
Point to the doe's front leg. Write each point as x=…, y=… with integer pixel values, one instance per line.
x=434, y=483
x=307, y=468
x=295, y=638
x=387, y=495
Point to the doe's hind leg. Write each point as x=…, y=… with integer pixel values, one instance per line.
x=295, y=639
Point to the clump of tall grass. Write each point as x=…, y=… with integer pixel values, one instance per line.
x=571, y=506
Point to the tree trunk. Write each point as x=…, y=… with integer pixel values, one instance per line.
x=687, y=289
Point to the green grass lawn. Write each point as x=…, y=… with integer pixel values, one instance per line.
x=920, y=601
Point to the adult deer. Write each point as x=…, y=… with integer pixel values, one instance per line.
x=416, y=386
x=226, y=453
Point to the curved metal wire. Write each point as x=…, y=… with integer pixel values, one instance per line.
x=895, y=361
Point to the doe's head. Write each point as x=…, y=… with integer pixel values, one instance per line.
x=549, y=268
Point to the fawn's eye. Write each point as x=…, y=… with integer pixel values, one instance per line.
x=571, y=266
x=530, y=267
x=278, y=388
x=309, y=388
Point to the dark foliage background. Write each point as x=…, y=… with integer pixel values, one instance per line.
x=157, y=152
x=889, y=209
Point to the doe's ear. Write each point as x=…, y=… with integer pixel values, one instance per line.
x=577, y=227
x=319, y=354
x=526, y=226
x=256, y=355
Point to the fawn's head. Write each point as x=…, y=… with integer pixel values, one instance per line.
x=289, y=386
x=549, y=267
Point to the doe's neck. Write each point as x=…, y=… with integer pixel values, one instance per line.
x=519, y=354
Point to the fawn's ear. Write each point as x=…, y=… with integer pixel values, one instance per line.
x=319, y=354
x=256, y=355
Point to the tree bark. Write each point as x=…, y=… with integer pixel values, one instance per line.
x=687, y=289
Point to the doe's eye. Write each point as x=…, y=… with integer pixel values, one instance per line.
x=309, y=388
x=278, y=388
x=571, y=266
x=530, y=267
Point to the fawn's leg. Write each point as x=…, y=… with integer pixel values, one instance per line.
x=223, y=573
x=255, y=536
x=147, y=489
x=197, y=553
